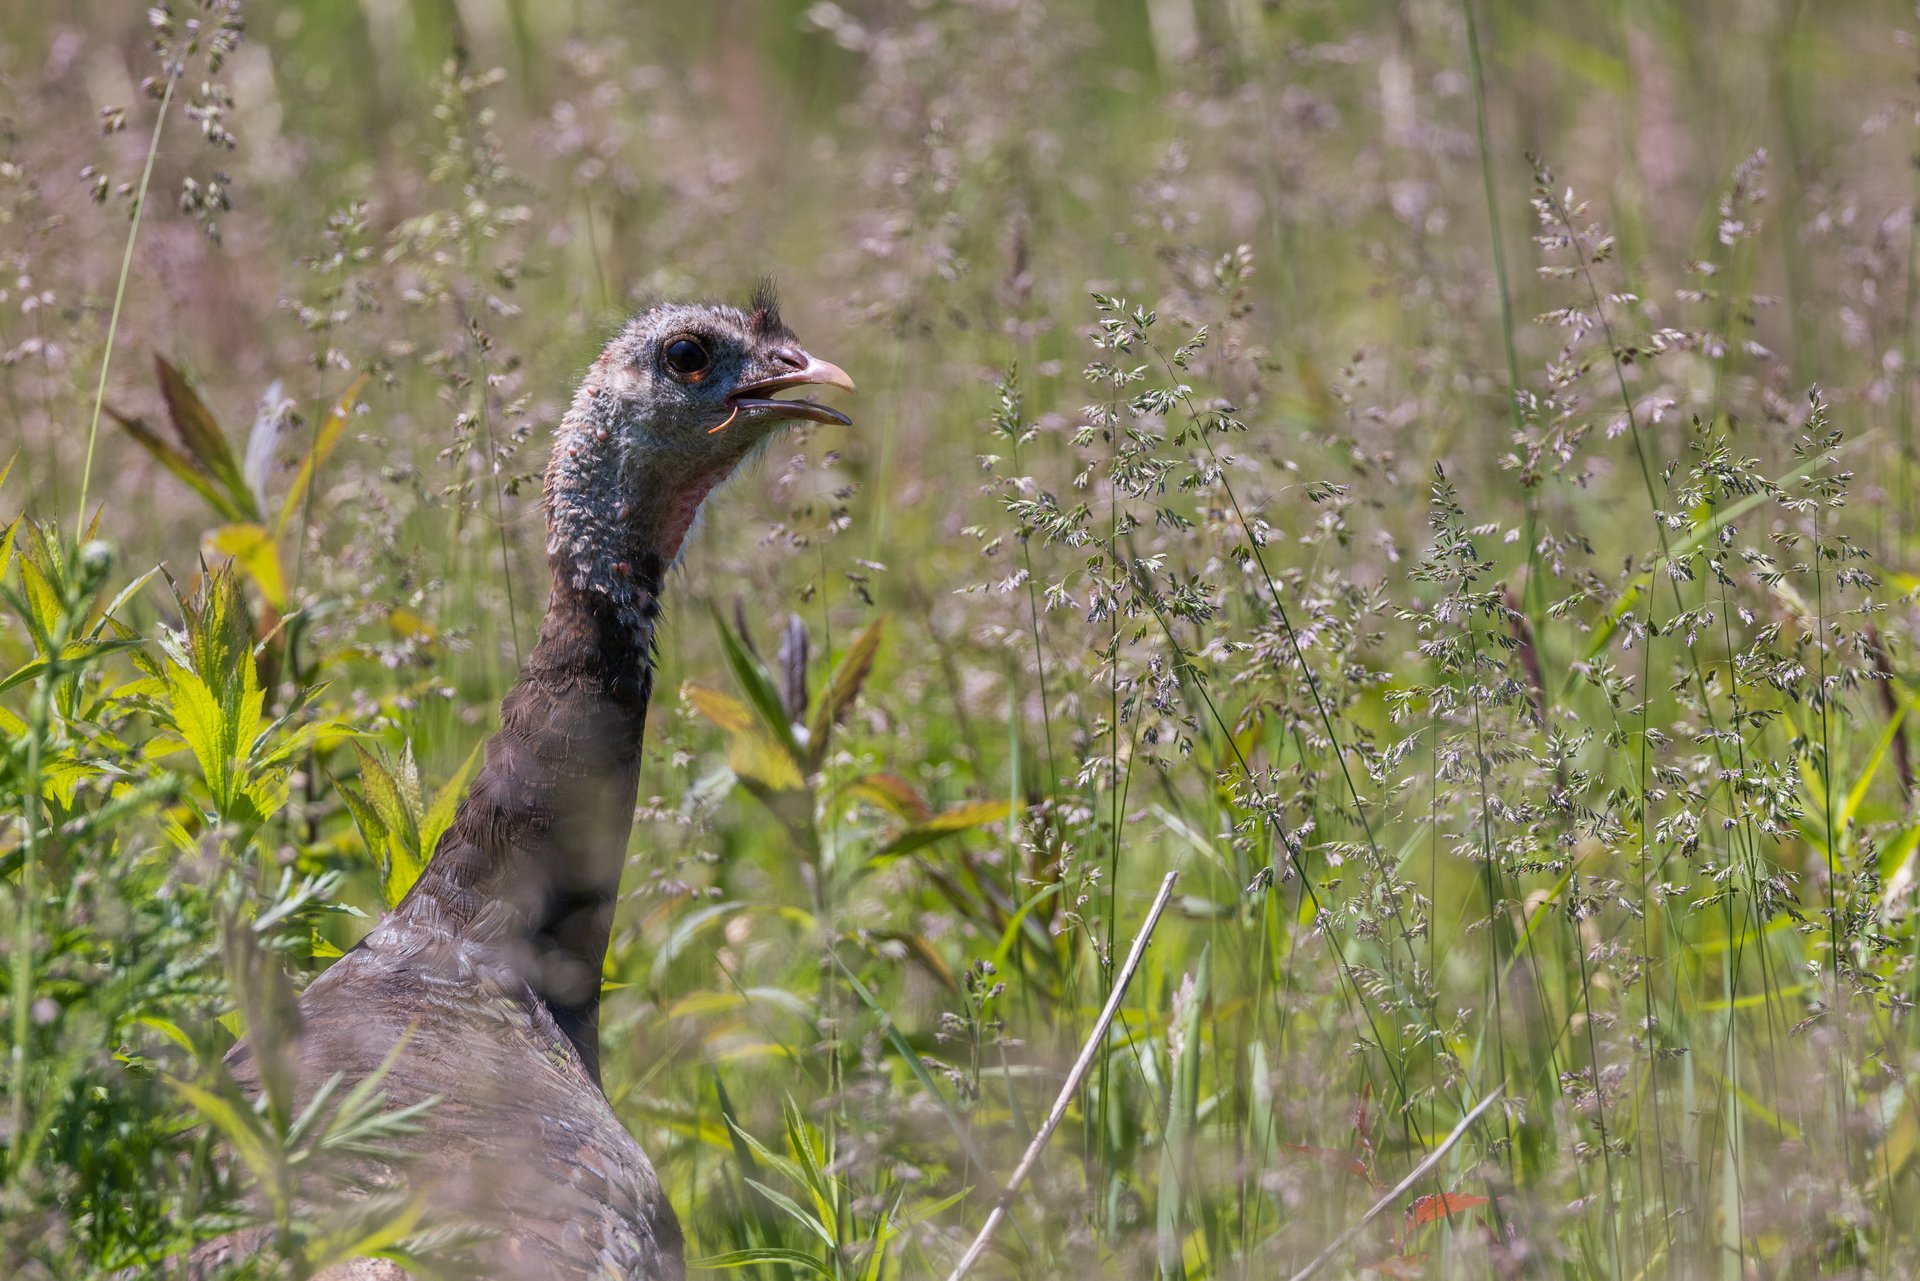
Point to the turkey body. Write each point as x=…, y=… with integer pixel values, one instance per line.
x=480, y=991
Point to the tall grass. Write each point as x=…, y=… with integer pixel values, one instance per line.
x=1507, y=644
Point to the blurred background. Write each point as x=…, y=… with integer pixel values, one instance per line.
x=1437, y=474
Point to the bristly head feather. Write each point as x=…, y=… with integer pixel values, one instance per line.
x=764, y=311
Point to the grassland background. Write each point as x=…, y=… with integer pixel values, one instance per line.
x=1574, y=767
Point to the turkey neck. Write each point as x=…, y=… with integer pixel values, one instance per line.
x=530, y=868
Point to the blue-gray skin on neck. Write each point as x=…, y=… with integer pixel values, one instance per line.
x=481, y=989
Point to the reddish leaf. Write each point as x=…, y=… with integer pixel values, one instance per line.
x=1426, y=1209
x=1360, y=1110
x=1401, y=1267
x=1334, y=1159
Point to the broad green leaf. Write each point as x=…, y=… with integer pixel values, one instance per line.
x=758, y=759
x=723, y=710
x=166, y=1028
x=325, y=438
x=387, y=799
x=842, y=688
x=39, y=579
x=203, y=725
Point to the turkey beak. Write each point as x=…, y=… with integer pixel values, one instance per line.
x=807, y=371
x=827, y=374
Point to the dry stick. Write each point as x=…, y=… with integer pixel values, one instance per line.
x=1075, y=1077
x=1399, y=1189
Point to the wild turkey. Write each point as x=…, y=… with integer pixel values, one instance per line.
x=489, y=969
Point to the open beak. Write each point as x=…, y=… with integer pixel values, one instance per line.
x=758, y=397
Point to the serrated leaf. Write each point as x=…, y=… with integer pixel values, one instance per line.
x=75, y=653
x=386, y=797
x=842, y=688
x=39, y=580
x=446, y=803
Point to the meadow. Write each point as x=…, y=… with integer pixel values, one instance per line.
x=1438, y=475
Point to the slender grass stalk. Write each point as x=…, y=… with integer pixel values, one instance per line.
x=1075, y=1076
x=120, y=296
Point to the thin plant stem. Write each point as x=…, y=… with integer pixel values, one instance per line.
x=120, y=297
x=1075, y=1076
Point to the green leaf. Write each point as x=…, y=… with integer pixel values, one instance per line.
x=402, y=865
x=842, y=688
x=253, y=549
x=961, y=818
x=6, y=543
x=181, y=465
x=74, y=654
x=1183, y=1109
x=912, y=1059
x=325, y=438
x=792, y=1209
x=761, y=694
x=758, y=1255
x=1702, y=531
x=40, y=581
x=723, y=710
x=446, y=803
x=242, y=1128
x=893, y=794
x=200, y=432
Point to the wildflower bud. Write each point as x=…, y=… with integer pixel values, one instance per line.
x=96, y=561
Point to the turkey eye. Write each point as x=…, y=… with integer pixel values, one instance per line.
x=687, y=359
